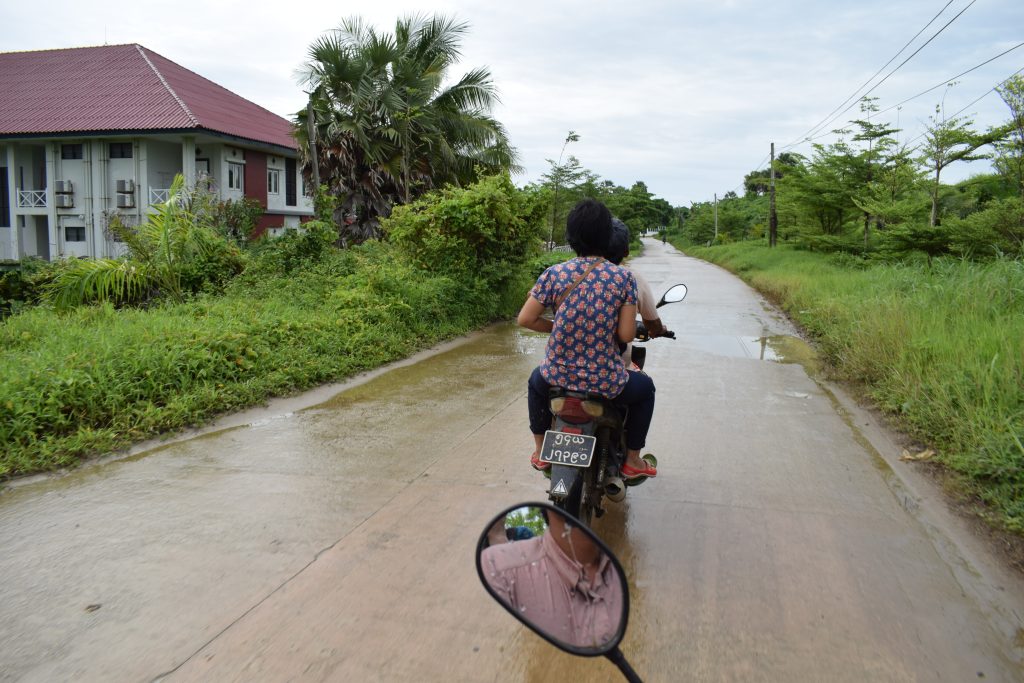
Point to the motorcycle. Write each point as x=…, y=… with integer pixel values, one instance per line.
x=517, y=560
x=586, y=443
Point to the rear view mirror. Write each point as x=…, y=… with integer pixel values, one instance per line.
x=554, y=575
x=675, y=294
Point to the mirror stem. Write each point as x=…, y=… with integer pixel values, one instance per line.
x=619, y=659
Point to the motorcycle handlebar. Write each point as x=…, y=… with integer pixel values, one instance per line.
x=643, y=335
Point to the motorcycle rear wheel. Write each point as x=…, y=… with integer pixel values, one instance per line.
x=580, y=502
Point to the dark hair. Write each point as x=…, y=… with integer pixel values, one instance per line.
x=588, y=228
x=618, y=245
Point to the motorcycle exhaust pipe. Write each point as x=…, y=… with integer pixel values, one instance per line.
x=615, y=489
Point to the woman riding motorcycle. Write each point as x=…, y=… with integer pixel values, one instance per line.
x=594, y=304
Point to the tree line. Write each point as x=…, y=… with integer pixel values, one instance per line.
x=870, y=194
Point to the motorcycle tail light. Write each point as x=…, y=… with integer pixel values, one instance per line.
x=570, y=408
x=593, y=408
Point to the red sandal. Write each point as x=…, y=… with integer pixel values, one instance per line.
x=633, y=473
x=537, y=464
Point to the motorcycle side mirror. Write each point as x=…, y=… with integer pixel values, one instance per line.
x=675, y=294
x=557, y=577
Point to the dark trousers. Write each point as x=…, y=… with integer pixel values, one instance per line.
x=637, y=396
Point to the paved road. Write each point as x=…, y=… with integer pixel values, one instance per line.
x=335, y=543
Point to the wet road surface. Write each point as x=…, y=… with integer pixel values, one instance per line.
x=336, y=543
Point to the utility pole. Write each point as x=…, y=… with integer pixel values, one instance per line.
x=716, y=217
x=311, y=134
x=773, y=220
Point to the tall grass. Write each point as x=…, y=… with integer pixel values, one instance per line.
x=941, y=347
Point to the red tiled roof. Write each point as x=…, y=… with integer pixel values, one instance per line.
x=122, y=88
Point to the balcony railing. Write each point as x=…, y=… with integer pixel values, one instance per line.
x=159, y=195
x=31, y=199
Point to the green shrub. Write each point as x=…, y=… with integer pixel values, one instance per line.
x=913, y=238
x=541, y=262
x=843, y=244
x=487, y=229
x=996, y=230
x=293, y=250
x=23, y=284
x=236, y=221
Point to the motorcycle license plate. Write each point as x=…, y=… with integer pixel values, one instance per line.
x=561, y=448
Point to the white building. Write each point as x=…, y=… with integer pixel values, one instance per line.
x=88, y=132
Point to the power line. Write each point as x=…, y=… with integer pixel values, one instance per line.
x=868, y=92
x=934, y=36
x=924, y=92
x=949, y=80
x=962, y=110
x=974, y=102
x=891, y=60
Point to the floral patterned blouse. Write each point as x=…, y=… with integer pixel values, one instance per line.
x=582, y=353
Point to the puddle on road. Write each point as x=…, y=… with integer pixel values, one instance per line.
x=782, y=348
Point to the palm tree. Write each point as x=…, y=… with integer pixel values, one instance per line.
x=389, y=126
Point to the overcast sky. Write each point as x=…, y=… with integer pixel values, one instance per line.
x=685, y=96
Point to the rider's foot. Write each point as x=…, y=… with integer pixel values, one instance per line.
x=538, y=443
x=639, y=468
x=537, y=464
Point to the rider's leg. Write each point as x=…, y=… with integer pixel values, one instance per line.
x=638, y=394
x=540, y=409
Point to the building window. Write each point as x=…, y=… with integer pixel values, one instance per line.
x=74, y=233
x=273, y=181
x=235, y=174
x=71, y=151
x=290, y=182
x=120, y=150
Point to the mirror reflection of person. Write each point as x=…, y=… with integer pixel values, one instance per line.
x=500, y=533
x=561, y=581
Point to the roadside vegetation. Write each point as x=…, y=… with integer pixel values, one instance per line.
x=912, y=288
x=420, y=236
x=83, y=379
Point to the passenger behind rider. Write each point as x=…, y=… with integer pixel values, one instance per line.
x=646, y=304
x=598, y=311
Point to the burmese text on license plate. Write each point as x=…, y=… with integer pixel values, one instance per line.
x=561, y=448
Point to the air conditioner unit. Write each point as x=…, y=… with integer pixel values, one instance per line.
x=125, y=201
x=65, y=201
x=127, y=186
x=63, y=187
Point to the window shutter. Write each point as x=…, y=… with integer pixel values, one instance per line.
x=289, y=183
